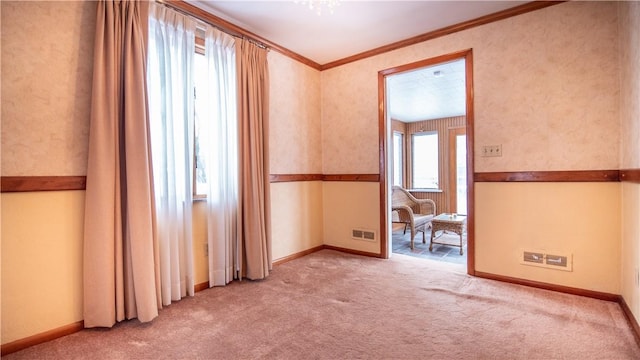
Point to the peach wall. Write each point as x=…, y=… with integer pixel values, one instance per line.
x=327, y=122
x=295, y=148
x=45, y=115
x=350, y=119
x=630, y=290
x=629, y=13
x=46, y=86
x=41, y=261
x=630, y=84
x=545, y=87
x=294, y=145
x=349, y=205
x=200, y=241
x=296, y=217
x=582, y=219
x=294, y=117
x=296, y=223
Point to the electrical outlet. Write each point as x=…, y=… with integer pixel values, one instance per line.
x=491, y=150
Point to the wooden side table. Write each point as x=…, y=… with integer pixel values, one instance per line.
x=447, y=222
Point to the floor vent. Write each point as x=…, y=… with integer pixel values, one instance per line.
x=540, y=258
x=361, y=234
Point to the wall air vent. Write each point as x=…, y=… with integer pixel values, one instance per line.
x=541, y=258
x=361, y=234
x=533, y=257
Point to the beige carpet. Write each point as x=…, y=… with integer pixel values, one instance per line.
x=330, y=305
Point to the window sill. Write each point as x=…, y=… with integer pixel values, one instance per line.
x=425, y=190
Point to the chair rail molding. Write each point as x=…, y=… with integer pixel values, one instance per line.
x=549, y=176
x=42, y=183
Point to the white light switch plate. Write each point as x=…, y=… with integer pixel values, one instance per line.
x=492, y=150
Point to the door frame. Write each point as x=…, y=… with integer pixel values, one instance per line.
x=452, y=175
x=383, y=146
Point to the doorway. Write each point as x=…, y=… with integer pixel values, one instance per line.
x=450, y=139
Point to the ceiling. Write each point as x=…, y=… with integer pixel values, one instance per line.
x=433, y=92
x=358, y=26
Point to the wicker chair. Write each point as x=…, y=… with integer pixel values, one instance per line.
x=414, y=213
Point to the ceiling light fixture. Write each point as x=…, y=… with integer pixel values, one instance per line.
x=317, y=5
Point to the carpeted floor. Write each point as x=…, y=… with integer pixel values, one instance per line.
x=331, y=305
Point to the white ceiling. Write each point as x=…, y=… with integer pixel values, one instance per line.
x=429, y=93
x=358, y=26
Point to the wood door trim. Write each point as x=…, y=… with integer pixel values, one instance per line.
x=452, y=197
x=383, y=146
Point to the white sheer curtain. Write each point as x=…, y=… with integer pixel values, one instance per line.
x=221, y=157
x=171, y=111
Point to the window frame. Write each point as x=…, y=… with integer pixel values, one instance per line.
x=437, y=159
x=199, y=50
x=401, y=167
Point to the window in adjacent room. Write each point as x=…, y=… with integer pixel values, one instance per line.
x=398, y=155
x=424, y=154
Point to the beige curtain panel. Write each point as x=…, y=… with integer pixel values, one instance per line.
x=121, y=277
x=254, y=198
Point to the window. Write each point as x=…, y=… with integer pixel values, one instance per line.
x=398, y=155
x=199, y=76
x=215, y=140
x=424, y=153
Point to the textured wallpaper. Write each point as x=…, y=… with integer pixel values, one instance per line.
x=545, y=87
x=294, y=117
x=47, y=62
x=630, y=84
x=629, y=13
x=350, y=119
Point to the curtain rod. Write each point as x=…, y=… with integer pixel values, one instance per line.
x=211, y=22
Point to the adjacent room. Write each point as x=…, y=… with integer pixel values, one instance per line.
x=231, y=179
x=427, y=112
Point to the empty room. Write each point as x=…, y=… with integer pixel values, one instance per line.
x=218, y=179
